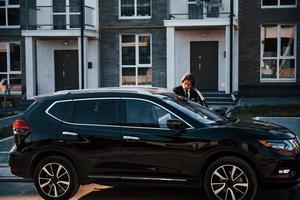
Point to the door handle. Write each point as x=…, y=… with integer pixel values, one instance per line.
x=69, y=133
x=130, y=138
x=200, y=66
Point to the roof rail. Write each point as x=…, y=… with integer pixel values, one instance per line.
x=62, y=92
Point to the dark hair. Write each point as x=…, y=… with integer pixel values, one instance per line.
x=189, y=77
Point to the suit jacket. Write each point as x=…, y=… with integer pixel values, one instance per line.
x=193, y=95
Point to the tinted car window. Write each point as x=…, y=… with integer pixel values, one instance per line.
x=145, y=114
x=62, y=111
x=140, y=113
x=163, y=116
x=195, y=110
x=98, y=112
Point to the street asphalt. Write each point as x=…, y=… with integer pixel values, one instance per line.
x=26, y=191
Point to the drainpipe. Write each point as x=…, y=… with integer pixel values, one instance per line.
x=82, y=41
x=231, y=45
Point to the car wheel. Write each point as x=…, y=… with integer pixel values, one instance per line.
x=55, y=178
x=230, y=178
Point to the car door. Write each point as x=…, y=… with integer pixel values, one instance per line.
x=150, y=150
x=93, y=137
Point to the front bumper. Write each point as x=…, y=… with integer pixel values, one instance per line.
x=281, y=168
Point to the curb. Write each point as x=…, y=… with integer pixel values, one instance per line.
x=293, y=118
x=6, y=179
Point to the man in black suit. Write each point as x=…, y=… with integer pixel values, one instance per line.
x=186, y=89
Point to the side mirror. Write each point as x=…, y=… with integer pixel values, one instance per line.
x=175, y=124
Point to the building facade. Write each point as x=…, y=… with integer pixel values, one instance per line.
x=150, y=43
x=198, y=42
x=12, y=46
x=133, y=43
x=269, y=48
x=53, y=52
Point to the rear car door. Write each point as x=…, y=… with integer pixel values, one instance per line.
x=93, y=136
x=152, y=151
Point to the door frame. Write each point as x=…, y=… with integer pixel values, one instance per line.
x=78, y=67
x=218, y=87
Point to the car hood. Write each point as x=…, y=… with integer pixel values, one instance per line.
x=265, y=129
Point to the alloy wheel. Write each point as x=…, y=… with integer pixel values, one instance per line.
x=229, y=182
x=54, y=180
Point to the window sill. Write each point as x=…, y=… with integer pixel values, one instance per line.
x=10, y=27
x=277, y=80
x=135, y=18
x=134, y=86
x=278, y=7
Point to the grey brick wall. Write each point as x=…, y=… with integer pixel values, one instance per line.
x=251, y=17
x=109, y=14
x=111, y=29
x=110, y=59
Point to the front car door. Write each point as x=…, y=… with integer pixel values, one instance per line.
x=151, y=150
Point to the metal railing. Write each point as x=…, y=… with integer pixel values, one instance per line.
x=59, y=18
x=199, y=9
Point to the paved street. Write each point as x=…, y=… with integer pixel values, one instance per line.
x=26, y=191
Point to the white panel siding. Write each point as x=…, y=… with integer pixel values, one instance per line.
x=93, y=56
x=30, y=67
x=182, y=52
x=45, y=62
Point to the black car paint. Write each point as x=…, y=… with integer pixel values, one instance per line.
x=100, y=152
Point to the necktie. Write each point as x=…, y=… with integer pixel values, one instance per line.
x=186, y=94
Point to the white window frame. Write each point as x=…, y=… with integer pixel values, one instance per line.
x=8, y=71
x=279, y=56
x=6, y=7
x=135, y=16
x=67, y=14
x=278, y=5
x=137, y=61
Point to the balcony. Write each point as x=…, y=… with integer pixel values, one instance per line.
x=199, y=12
x=59, y=18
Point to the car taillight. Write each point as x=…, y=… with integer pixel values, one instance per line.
x=20, y=126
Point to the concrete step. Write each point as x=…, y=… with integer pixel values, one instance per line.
x=225, y=99
x=218, y=98
x=215, y=94
x=221, y=103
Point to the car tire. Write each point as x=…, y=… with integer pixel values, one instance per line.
x=55, y=177
x=230, y=176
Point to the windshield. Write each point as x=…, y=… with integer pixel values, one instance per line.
x=195, y=110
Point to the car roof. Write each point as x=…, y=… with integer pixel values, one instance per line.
x=67, y=94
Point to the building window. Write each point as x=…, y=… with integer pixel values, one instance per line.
x=66, y=14
x=10, y=67
x=137, y=9
x=136, y=60
x=278, y=53
x=278, y=3
x=9, y=13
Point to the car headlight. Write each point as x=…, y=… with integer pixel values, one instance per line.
x=288, y=145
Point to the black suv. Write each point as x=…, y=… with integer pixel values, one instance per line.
x=116, y=135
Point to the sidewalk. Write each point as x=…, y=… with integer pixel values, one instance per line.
x=249, y=101
x=7, y=121
x=6, y=176
x=292, y=123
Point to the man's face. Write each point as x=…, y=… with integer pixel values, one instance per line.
x=186, y=84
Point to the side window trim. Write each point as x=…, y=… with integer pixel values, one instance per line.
x=118, y=115
x=84, y=99
x=156, y=104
